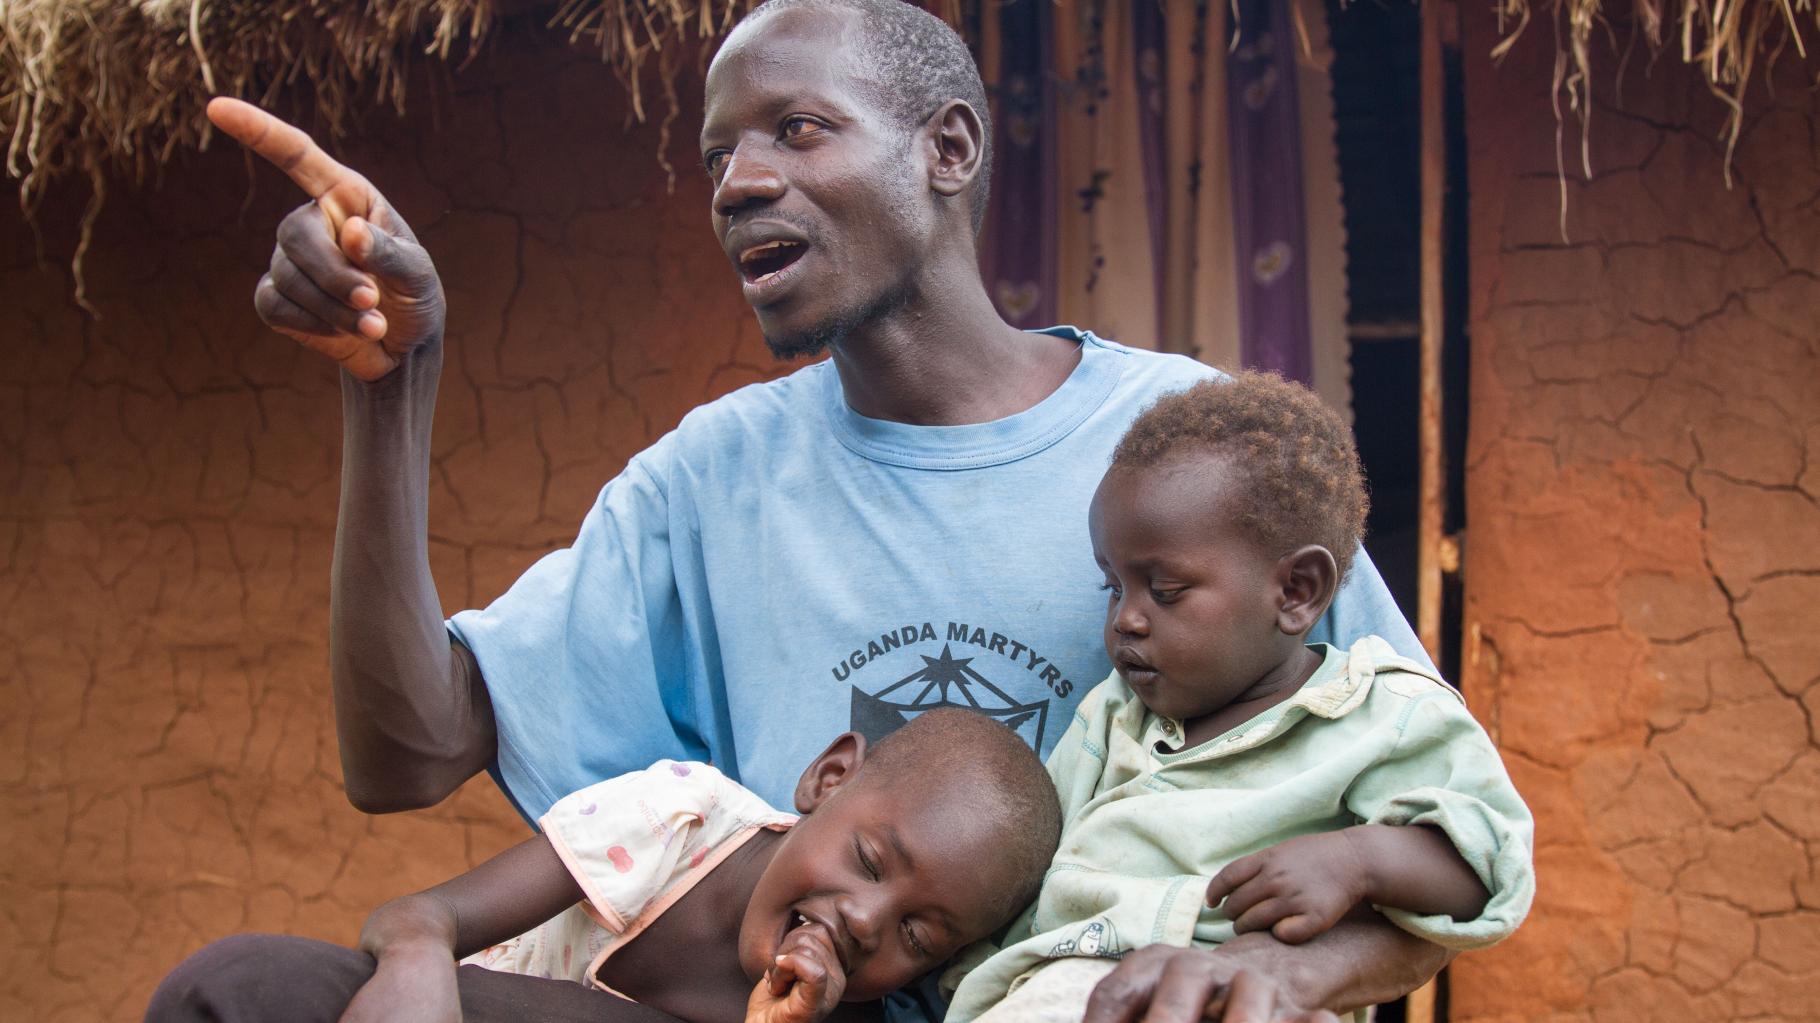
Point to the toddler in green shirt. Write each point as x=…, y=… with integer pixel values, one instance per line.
x=1228, y=778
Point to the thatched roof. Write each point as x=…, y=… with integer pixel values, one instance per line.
x=98, y=86
x=111, y=88
x=1732, y=42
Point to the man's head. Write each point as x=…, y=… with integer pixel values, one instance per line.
x=849, y=146
x=1229, y=515
x=930, y=839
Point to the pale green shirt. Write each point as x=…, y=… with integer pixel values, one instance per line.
x=1371, y=738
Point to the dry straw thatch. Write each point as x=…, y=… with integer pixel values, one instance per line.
x=109, y=89
x=1732, y=42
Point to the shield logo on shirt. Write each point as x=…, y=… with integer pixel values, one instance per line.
x=945, y=681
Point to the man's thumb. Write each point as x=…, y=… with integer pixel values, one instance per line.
x=395, y=260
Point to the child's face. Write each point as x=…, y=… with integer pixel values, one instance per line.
x=898, y=874
x=1192, y=604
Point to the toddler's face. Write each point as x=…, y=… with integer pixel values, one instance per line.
x=1191, y=601
x=899, y=876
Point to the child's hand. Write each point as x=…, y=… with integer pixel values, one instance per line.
x=408, y=985
x=803, y=984
x=1297, y=889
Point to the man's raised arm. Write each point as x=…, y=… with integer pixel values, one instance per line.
x=349, y=280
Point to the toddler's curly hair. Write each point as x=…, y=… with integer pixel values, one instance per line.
x=1302, y=481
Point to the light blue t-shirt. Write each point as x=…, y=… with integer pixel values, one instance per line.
x=778, y=570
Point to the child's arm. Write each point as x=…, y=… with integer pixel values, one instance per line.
x=417, y=938
x=1300, y=888
x=802, y=985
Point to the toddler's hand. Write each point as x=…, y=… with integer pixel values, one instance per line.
x=803, y=984
x=1297, y=889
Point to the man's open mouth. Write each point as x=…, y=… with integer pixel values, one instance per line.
x=762, y=262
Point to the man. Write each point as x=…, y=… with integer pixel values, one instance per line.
x=898, y=528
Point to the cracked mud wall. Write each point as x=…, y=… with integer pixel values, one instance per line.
x=1643, y=548
x=170, y=476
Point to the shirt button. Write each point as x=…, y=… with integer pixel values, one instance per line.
x=1169, y=728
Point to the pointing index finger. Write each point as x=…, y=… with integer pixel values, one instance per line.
x=284, y=146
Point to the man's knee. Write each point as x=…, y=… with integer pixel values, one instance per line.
x=260, y=977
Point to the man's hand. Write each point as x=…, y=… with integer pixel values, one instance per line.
x=1295, y=889
x=414, y=985
x=348, y=278
x=1165, y=984
x=803, y=984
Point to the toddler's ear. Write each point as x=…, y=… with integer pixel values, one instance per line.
x=835, y=767
x=1308, y=577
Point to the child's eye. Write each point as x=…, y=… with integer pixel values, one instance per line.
x=915, y=943
x=1166, y=596
x=1111, y=588
x=865, y=862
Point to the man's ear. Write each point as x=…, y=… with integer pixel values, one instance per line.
x=957, y=143
x=1308, y=578
x=835, y=767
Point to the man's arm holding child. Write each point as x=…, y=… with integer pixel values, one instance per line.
x=416, y=939
x=1254, y=978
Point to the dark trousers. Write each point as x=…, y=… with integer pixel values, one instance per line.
x=272, y=978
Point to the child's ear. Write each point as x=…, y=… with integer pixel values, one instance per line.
x=835, y=767
x=1308, y=577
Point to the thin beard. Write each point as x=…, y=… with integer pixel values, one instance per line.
x=813, y=342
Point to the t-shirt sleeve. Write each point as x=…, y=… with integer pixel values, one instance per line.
x=573, y=653
x=1446, y=773
x=1364, y=607
x=627, y=839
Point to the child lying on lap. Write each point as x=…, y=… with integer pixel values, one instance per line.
x=679, y=889
x=1227, y=778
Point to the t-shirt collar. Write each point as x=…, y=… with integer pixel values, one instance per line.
x=976, y=445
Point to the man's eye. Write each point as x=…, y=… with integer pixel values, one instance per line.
x=714, y=161
x=797, y=127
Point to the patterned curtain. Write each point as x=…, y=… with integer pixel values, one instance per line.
x=1190, y=186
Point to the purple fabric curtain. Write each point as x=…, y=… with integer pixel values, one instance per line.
x=1021, y=237
x=1152, y=70
x=1269, y=231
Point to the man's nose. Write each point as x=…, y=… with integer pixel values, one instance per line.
x=747, y=178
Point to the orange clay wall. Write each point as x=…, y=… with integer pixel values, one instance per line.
x=1643, y=543
x=168, y=481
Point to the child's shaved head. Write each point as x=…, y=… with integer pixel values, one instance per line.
x=1301, y=482
x=986, y=769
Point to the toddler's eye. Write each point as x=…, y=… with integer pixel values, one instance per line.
x=1112, y=589
x=1165, y=596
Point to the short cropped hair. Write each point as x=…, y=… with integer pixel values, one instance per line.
x=1005, y=779
x=916, y=63
x=1301, y=480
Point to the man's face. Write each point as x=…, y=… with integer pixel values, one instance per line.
x=820, y=197
x=898, y=875
x=1191, y=600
